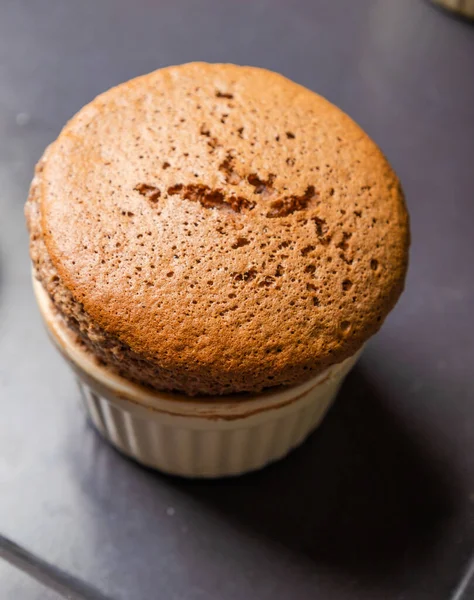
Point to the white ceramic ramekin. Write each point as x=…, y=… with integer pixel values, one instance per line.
x=199, y=436
x=462, y=7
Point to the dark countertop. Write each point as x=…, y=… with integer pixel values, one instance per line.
x=379, y=503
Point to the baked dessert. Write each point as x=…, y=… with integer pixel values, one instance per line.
x=216, y=230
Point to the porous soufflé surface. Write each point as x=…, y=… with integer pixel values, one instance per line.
x=215, y=229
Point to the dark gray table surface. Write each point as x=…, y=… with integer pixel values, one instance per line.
x=379, y=503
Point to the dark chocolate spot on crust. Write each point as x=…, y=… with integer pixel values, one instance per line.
x=261, y=185
x=224, y=95
x=290, y=204
x=210, y=198
x=149, y=191
x=240, y=242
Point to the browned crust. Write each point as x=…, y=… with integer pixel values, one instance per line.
x=221, y=244
x=63, y=338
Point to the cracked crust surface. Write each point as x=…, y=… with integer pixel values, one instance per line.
x=214, y=229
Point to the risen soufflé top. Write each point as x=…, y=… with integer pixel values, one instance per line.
x=214, y=229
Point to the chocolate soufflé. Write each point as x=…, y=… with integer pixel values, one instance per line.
x=213, y=229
